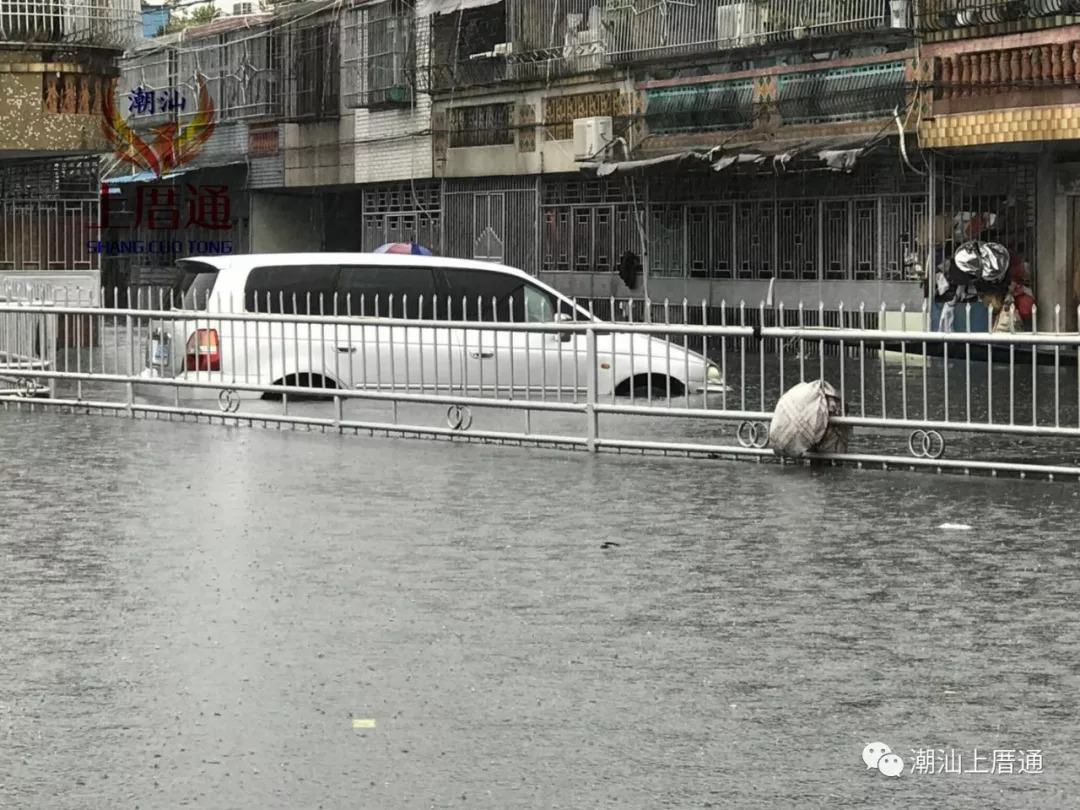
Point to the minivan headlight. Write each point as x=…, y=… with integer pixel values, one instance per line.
x=713, y=374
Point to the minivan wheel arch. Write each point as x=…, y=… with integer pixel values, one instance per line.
x=640, y=384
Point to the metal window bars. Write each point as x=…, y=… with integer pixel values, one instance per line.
x=311, y=67
x=553, y=37
x=940, y=15
x=111, y=24
x=241, y=68
x=381, y=54
x=464, y=48
x=480, y=125
x=48, y=210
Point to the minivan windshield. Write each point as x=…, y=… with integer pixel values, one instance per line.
x=192, y=291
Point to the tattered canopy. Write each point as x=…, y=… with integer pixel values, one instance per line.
x=425, y=8
x=839, y=154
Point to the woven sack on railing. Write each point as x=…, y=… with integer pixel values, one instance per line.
x=800, y=420
x=837, y=437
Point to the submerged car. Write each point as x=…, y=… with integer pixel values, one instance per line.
x=199, y=344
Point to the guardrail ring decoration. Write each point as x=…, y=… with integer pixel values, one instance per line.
x=459, y=417
x=753, y=434
x=229, y=400
x=926, y=444
x=26, y=387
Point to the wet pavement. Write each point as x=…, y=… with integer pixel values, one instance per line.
x=196, y=615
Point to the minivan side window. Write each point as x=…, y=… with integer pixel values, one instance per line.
x=388, y=292
x=542, y=307
x=292, y=290
x=483, y=295
x=539, y=306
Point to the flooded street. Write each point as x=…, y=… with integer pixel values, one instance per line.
x=197, y=615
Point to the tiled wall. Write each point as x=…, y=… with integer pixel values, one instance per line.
x=1002, y=126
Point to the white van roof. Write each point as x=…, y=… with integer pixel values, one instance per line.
x=249, y=261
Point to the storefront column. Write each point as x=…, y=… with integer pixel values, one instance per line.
x=1051, y=254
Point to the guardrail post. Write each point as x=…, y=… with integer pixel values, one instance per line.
x=48, y=348
x=130, y=365
x=590, y=404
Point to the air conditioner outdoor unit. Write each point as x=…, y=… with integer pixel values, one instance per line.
x=592, y=137
x=585, y=51
x=739, y=24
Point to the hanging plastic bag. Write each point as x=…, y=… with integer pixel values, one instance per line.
x=941, y=283
x=985, y=261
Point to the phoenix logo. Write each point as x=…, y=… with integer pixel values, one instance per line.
x=173, y=144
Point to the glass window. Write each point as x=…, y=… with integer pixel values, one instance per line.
x=388, y=291
x=292, y=290
x=482, y=295
x=194, y=289
x=539, y=307
x=566, y=309
x=193, y=286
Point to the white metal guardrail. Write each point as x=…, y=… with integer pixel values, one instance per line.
x=27, y=338
x=989, y=402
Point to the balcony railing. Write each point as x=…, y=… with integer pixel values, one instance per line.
x=467, y=48
x=1021, y=75
x=941, y=15
x=239, y=59
x=242, y=66
x=816, y=97
x=588, y=34
x=113, y=24
x=380, y=54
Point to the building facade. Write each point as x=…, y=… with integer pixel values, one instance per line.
x=56, y=61
x=1006, y=90
x=820, y=149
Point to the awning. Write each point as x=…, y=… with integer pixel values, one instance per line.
x=838, y=154
x=150, y=177
x=428, y=7
x=143, y=177
x=688, y=160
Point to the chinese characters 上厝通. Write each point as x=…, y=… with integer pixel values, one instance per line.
x=159, y=208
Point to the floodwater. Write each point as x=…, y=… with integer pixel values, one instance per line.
x=196, y=615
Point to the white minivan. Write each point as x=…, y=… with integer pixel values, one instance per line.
x=485, y=361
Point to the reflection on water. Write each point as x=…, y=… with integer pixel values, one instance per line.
x=194, y=615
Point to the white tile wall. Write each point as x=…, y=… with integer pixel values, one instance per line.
x=396, y=144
